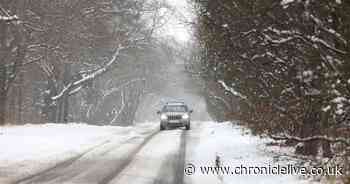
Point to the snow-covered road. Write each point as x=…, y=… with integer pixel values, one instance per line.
x=54, y=153
x=159, y=161
x=119, y=155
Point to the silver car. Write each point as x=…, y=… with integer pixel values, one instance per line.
x=175, y=114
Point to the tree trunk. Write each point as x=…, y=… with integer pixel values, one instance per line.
x=2, y=108
x=65, y=105
x=11, y=107
x=3, y=94
x=20, y=99
x=3, y=53
x=50, y=108
x=326, y=146
x=59, y=111
x=65, y=109
x=309, y=128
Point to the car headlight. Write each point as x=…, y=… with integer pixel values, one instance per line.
x=163, y=117
x=185, y=116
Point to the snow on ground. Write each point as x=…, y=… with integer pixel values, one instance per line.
x=235, y=147
x=29, y=149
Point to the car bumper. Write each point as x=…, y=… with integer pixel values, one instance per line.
x=178, y=123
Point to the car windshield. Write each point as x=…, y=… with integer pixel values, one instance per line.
x=174, y=108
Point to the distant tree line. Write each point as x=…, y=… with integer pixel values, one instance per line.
x=281, y=66
x=74, y=60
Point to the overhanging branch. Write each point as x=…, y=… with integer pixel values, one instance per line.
x=75, y=84
x=312, y=138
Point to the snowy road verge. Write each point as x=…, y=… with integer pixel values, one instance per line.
x=30, y=149
x=229, y=145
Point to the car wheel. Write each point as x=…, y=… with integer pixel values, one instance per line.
x=162, y=127
x=188, y=126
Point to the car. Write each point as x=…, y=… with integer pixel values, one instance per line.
x=175, y=114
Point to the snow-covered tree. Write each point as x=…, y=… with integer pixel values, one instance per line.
x=286, y=61
x=69, y=49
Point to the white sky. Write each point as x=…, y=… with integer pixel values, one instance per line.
x=175, y=25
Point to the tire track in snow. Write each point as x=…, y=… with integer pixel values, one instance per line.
x=124, y=163
x=59, y=165
x=179, y=175
x=51, y=173
x=173, y=165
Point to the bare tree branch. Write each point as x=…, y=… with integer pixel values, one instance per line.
x=312, y=138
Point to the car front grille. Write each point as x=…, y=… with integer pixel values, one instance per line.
x=174, y=117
